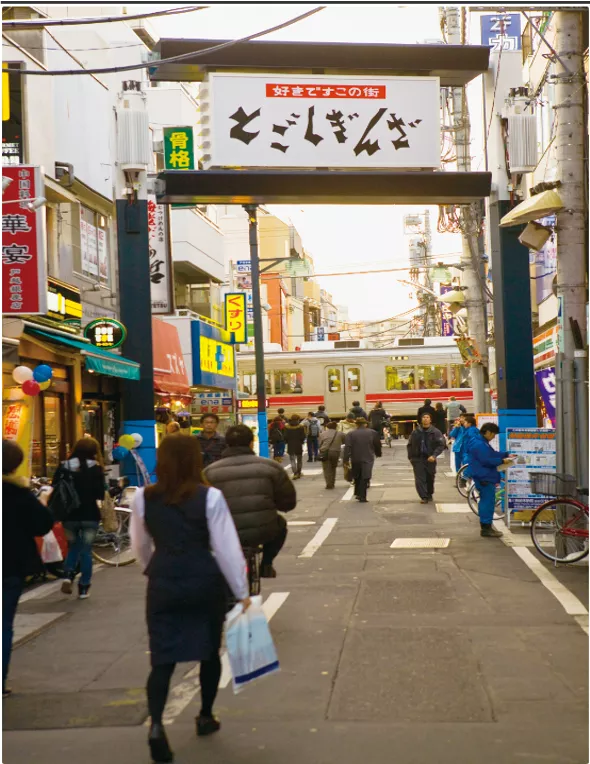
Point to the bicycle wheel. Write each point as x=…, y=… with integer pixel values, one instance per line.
x=473, y=501
x=559, y=530
x=114, y=549
x=463, y=484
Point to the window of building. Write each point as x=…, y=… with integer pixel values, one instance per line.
x=460, y=376
x=289, y=382
x=92, y=256
x=353, y=380
x=399, y=378
x=335, y=380
x=433, y=377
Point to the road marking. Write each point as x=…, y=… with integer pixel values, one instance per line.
x=349, y=494
x=570, y=603
x=433, y=543
x=301, y=522
x=453, y=509
x=182, y=694
x=320, y=537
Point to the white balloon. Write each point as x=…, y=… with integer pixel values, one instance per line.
x=137, y=438
x=22, y=374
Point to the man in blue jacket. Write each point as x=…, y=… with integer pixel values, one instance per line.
x=470, y=434
x=483, y=463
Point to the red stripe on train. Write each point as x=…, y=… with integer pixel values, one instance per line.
x=295, y=400
x=421, y=395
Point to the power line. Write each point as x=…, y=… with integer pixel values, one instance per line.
x=43, y=23
x=156, y=63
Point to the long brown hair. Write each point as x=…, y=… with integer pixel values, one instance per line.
x=85, y=450
x=179, y=470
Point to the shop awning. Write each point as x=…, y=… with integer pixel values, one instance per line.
x=97, y=359
x=534, y=208
x=170, y=375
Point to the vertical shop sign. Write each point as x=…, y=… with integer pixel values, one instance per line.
x=235, y=316
x=160, y=257
x=179, y=150
x=447, y=318
x=24, y=268
x=103, y=261
x=92, y=250
x=546, y=383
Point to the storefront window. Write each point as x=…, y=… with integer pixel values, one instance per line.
x=399, y=378
x=289, y=382
x=433, y=378
x=460, y=376
x=92, y=259
x=353, y=380
x=335, y=380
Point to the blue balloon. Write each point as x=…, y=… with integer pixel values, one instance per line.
x=42, y=373
x=120, y=453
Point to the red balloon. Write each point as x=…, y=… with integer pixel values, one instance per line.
x=30, y=387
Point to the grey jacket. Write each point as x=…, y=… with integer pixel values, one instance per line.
x=255, y=489
x=331, y=441
x=362, y=446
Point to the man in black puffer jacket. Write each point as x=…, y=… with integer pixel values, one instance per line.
x=256, y=490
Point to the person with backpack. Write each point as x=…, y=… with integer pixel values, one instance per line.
x=377, y=418
x=313, y=428
x=78, y=484
x=23, y=519
x=277, y=439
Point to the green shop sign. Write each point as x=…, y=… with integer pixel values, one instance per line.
x=179, y=148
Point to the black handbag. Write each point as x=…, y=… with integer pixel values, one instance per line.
x=64, y=498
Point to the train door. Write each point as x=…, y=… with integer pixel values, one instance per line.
x=343, y=385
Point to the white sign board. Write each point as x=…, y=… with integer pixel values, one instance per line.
x=244, y=266
x=276, y=120
x=161, y=282
x=535, y=450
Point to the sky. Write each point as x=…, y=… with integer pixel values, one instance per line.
x=339, y=238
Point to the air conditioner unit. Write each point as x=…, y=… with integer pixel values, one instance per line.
x=523, y=153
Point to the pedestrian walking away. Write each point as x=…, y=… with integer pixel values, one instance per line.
x=276, y=439
x=294, y=435
x=85, y=470
x=454, y=409
x=256, y=490
x=331, y=442
x=427, y=408
x=358, y=411
x=322, y=415
x=347, y=425
x=313, y=427
x=360, y=449
x=483, y=464
x=211, y=442
x=377, y=418
x=176, y=525
x=471, y=433
x=440, y=418
x=23, y=519
x=424, y=445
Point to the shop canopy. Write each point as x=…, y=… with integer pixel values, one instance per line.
x=97, y=359
x=170, y=375
x=534, y=208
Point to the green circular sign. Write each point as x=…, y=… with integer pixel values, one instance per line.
x=105, y=333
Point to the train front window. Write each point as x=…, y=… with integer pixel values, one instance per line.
x=335, y=380
x=289, y=382
x=433, y=378
x=353, y=380
x=399, y=378
x=460, y=376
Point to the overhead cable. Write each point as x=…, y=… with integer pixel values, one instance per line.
x=42, y=23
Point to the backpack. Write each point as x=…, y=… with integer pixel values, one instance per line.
x=64, y=498
x=314, y=429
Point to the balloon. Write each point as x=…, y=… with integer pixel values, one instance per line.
x=42, y=373
x=30, y=387
x=15, y=394
x=127, y=441
x=119, y=452
x=22, y=374
x=45, y=385
x=137, y=439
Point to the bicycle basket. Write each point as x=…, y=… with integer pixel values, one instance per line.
x=552, y=484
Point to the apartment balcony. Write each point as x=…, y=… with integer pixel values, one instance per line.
x=197, y=247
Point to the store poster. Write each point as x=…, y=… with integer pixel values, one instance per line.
x=535, y=451
x=17, y=425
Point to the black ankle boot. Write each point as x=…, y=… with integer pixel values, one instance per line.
x=207, y=725
x=158, y=743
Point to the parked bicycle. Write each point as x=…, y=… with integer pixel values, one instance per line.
x=462, y=482
x=559, y=527
x=114, y=548
x=499, y=507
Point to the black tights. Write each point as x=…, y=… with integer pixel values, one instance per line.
x=158, y=685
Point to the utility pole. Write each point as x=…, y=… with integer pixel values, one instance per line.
x=252, y=210
x=572, y=245
x=429, y=301
x=474, y=295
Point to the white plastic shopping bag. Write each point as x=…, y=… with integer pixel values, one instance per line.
x=51, y=551
x=250, y=648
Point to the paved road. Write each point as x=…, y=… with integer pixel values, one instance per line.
x=454, y=655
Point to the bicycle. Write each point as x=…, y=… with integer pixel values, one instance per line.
x=115, y=547
x=462, y=483
x=253, y=557
x=499, y=507
x=559, y=525
x=387, y=436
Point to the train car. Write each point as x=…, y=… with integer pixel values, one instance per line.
x=337, y=373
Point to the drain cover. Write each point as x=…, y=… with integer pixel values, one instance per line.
x=420, y=543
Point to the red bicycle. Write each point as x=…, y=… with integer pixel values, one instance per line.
x=559, y=527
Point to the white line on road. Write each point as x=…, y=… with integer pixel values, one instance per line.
x=570, y=603
x=320, y=537
x=182, y=694
x=301, y=522
x=349, y=494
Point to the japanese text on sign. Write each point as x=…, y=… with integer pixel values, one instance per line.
x=534, y=450
x=323, y=121
x=235, y=316
x=179, y=152
x=159, y=252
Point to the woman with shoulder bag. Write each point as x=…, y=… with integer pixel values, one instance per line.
x=331, y=441
x=184, y=535
x=84, y=469
x=277, y=439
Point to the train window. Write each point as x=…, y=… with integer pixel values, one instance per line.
x=460, y=376
x=335, y=380
x=248, y=385
x=399, y=378
x=289, y=382
x=353, y=379
x=433, y=377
